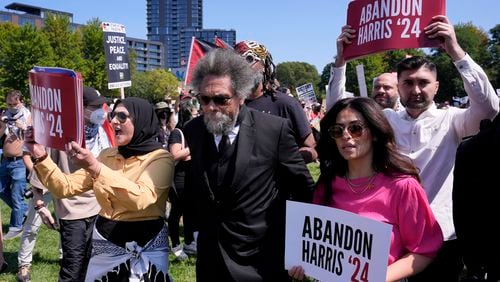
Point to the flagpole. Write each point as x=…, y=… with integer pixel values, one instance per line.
x=189, y=61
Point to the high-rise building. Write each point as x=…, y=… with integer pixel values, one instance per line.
x=149, y=54
x=175, y=22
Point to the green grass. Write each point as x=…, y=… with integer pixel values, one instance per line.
x=46, y=254
x=45, y=265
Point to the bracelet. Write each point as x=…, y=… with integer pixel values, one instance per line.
x=38, y=207
x=40, y=159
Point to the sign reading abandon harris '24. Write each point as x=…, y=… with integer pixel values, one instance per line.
x=115, y=48
x=390, y=24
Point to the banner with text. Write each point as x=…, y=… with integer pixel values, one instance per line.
x=335, y=245
x=116, y=51
x=56, y=106
x=306, y=93
x=390, y=24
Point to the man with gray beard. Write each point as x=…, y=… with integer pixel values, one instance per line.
x=244, y=166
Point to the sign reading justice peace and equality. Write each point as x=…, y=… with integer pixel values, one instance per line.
x=336, y=245
x=390, y=24
x=116, y=51
x=56, y=106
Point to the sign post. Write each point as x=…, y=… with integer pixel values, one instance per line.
x=116, y=51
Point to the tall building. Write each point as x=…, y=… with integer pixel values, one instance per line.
x=174, y=23
x=149, y=54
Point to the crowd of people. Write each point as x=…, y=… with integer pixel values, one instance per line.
x=227, y=156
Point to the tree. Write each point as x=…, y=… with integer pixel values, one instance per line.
x=21, y=48
x=494, y=48
x=66, y=44
x=393, y=57
x=475, y=42
x=325, y=76
x=94, y=62
x=154, y=85
x=293, y=74
x=373, y=65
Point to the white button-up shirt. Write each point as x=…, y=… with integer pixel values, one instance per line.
x=431, y=140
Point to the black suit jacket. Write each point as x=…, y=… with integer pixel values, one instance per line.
x=241, y=225
x=476, y=193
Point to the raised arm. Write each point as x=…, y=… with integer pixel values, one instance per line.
x=484, y=102
x=336, y=84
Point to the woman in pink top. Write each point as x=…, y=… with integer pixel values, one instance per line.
x=362, y=172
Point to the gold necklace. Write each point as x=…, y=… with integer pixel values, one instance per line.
x=354, y=187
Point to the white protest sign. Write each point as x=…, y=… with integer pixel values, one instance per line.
x=335, y=245
x=306, y=93
x=360, y=73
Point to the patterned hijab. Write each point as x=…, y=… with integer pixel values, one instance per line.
x=146, y=127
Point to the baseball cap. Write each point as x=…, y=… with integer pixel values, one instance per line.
x=92, y=97
x=161, y=105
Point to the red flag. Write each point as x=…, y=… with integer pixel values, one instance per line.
x=108, y=128
x=221, y=43
x=198, y=49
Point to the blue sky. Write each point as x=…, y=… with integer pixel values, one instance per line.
x=292, y=30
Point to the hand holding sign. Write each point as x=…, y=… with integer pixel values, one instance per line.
x=443, y=29
x=390, y=24
x=345, y=37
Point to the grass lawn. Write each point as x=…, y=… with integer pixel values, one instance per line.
x=45, y=266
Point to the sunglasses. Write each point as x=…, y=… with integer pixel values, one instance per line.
x=355, y=130
x=252, y=59
x=120, y=116
x=218, y=100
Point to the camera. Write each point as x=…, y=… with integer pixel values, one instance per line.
x=29, y=193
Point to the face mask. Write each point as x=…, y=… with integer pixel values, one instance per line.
x=98, y=117
x=14, y=110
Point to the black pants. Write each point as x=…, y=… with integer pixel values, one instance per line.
x=76, y=242
x=446, y=267
x=177, y=202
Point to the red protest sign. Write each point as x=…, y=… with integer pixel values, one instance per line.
x=390, y=24
x=56, y=106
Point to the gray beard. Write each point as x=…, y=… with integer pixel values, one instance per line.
x=219, y=123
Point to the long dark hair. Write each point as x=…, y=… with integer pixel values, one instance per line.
x=386, y=157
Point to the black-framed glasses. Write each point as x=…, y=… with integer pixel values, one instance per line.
x=218, y=100
x=120, y=116
x=354, y=129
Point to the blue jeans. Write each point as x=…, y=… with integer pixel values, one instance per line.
x=12, y=188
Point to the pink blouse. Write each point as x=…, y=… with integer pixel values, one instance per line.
x=399, y=201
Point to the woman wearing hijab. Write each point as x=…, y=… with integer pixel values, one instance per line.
x=131, y=184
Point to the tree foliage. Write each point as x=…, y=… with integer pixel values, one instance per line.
x=66, y=44
x=21, y=49
x=494, y=48
x=154, y=85
x=294, y=74
x=475, y=42
x=94, y=60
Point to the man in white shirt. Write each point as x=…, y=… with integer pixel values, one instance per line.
x=430, y=136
